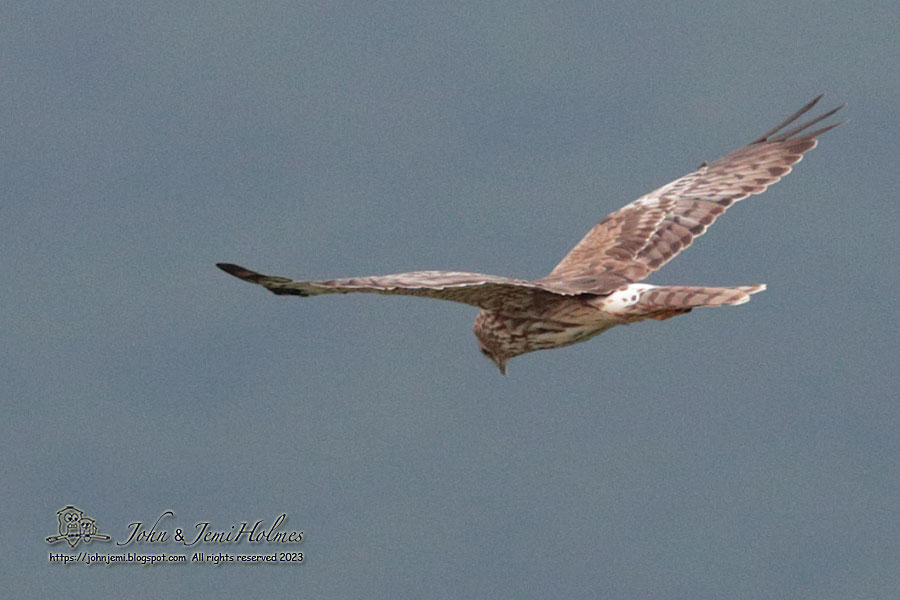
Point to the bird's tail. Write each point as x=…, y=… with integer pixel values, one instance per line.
x=670, y=300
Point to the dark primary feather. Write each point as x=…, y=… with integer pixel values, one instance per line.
x=765, y=137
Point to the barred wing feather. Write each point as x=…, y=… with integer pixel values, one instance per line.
x=641, y=237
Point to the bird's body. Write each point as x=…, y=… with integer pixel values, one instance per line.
x=595, y=286
x=569, y=320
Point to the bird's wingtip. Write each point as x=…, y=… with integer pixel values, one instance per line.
x=236, y=270
x=248, y=275
x=252, y=276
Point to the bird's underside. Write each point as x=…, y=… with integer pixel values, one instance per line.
x=595, y=286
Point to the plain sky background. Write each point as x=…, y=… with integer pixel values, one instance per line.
x=741, y=453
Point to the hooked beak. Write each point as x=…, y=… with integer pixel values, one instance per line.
x=501, y=364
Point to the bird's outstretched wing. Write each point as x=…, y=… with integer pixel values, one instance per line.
x=641, y=237
x=484, y=291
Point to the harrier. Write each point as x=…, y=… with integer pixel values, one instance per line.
x=595, y=286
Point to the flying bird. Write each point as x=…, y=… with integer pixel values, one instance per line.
x=595, y=287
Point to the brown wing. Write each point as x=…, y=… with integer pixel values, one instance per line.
x=485, y=291
x=641, y=237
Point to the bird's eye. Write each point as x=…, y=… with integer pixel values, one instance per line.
x=485, y=352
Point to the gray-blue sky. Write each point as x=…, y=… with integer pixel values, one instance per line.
x=743, y=453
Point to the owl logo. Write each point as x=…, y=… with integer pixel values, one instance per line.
x=74, y=527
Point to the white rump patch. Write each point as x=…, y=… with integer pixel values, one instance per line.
x=623, y=299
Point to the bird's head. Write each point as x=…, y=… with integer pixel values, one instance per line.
x=497, y=338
